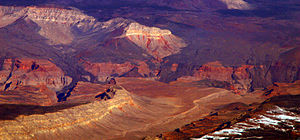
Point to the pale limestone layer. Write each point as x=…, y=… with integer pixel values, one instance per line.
x=157, y=42
x=237, y=4
x=10, y=14
x=150, y=32
x=55, y=23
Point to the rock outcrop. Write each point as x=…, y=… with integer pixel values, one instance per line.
x=32, y=72
x=239, y=77
x=277, y=89
x=108, y=69
x=222, y=117
x=157, y=42
x=55, y=23
x=237, y=4
x=85, y=92
x=275, y=118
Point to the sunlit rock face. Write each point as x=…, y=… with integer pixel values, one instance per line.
x=25, y=71
x=55, y=23
x=157, y=42
x=237, y=4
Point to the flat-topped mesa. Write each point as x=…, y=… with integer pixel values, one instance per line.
x=150, y=32
x=237, y=4
x=157, y=42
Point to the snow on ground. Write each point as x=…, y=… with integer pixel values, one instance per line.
x=274, y=119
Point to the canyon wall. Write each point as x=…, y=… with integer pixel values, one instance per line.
x=105, y=70
x=25, y=71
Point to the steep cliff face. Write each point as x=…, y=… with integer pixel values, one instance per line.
x=105, y=70
x=22, y=72
x=55, y=23
x=157, y=42
x=240, y=77
x=287, y=68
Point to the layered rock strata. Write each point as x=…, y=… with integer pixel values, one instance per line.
x=104, y=70
x=32, y=72
x=157, y=42
x=240, y=78
x=55, y=23
x=65, y=120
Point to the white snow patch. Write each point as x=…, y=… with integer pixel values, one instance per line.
x=207, y=137
x=277, y=110
x=274, y=118
x=286, y=117
x=233, y=131
x=265, y=120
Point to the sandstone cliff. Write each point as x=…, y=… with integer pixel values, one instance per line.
x=104, y=70
x=157, y=42
x=25, y=71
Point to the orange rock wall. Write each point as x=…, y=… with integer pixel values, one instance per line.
x=239, y=78
x=104, y=70
x=35, y=72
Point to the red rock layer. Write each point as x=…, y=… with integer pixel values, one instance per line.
x=33, y=72
x=157, y=42
x=239, y=77
x=104, y=70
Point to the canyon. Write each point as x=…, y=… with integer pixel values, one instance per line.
x=97, y=119
x=140, y=69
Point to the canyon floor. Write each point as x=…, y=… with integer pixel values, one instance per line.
x=140, y=107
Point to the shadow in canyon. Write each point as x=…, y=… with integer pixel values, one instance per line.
x=11, y=111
